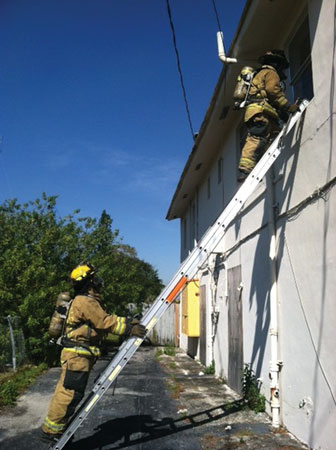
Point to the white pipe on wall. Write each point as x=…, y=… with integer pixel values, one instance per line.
x=274, y=363
x=221, y=51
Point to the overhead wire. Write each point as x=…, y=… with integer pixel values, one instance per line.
x=218, y=23
x=217, y=17
x=222, y=38
x=180, y=69
x=221, y=30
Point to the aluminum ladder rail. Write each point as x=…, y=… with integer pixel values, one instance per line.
x=187, y=270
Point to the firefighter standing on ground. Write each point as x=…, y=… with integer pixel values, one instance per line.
x=85, y=325
x=266, y=102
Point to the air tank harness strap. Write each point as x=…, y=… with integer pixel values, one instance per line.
x=256, y=99
x=74, y=327
x=80, y=347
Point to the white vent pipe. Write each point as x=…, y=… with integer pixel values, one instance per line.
x=221, y=51
x=275, y=363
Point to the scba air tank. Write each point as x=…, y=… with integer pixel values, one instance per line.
x=243, y=84
x=59, y=315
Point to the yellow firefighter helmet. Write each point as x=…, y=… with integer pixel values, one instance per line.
x=82, y=273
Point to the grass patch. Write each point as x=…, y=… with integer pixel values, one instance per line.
x=244, y=434
x=175, y=387
x=210, y=370
x=158, y=353
x=169, y=350
x=12, y=384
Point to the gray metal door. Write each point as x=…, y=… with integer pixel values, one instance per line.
x=235, y=329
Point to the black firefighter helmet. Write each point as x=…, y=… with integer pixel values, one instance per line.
x=275, y=57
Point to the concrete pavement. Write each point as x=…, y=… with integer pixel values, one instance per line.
x=163, y=403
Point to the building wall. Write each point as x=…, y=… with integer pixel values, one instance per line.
x=306, y=247
x=306, y=255
x=307, y=288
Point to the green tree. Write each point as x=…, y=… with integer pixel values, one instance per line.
x=127, y=278
x=38, y=250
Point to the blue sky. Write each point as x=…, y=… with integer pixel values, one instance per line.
x=92, y=108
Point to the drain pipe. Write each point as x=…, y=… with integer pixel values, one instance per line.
x=214, y=306
x=221, y=51
x=214, y=312
x=275, y=364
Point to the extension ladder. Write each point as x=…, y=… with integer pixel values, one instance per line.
x=186, y=272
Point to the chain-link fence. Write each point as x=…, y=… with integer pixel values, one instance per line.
x=12, y=344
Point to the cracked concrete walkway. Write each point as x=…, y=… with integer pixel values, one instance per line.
x=210, y=404
x=159, y=404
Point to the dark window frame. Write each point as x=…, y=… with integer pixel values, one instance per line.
x=301, y=73
x=184, y=231
x=220, y=170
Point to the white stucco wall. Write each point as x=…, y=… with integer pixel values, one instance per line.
x=307, y=289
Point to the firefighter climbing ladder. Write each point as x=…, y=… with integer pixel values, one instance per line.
x=187, y=270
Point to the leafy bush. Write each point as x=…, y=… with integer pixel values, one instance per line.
x=8, y=393
x=5, y=349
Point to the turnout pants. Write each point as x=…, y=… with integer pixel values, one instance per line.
x=261, y=130
x=69, y=390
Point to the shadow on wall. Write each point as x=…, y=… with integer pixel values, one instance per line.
x=260, y=278
x=260, y=288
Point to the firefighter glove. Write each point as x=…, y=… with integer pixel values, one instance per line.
x=293, y=108
x=283, y=115
x=135, y=328
x=138, y=330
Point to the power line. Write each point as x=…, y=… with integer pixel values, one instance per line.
x=218, y=23
x=222, y=38
x=180, y=69
x=216, y=14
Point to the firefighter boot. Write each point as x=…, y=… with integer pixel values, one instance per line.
x=242, y=175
